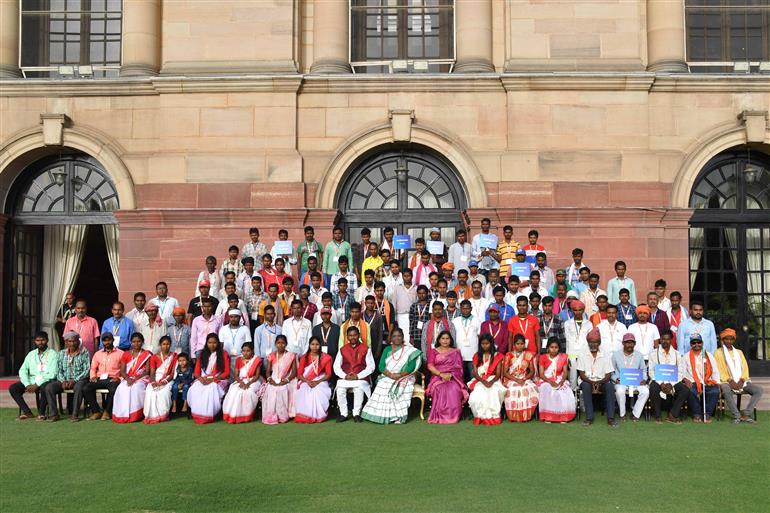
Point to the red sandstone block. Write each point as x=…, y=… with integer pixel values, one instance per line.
x=639, y=194
x=139, y=248
x=183, y=195
x=233, y=195
x=580, y=194
x=277, y=195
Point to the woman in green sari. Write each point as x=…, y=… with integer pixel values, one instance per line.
x=393, y=394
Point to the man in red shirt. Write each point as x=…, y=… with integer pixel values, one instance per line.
x=526, y=324
x=85, y=326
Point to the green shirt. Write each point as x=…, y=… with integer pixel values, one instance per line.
x=305, y=249
x=39, y=368
x=332, y=253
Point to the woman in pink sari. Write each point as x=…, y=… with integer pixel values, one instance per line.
x=446, y=387
x=128, y=403
x=157, y=398
x=521, y=392
x=557, y=402
x=313, y=392
x=212, y=377
x=278, y=399
x=240, y=403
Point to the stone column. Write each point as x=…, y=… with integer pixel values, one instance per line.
x=330, y=37
x=474, y=36
x=665, y=36
x=9, y=39
x=141, y=38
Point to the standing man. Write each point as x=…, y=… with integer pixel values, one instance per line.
x=435, y=236
x=202, y=325
x=105, y=373
x=460, y=251
x=734, y=378
x=612, y=331
x=121, y=328
x=86, y=327
x=297, y=330
x=72, y=370
x=696, y=325
x=166, y=304
x=525, y=324
x=233, y=335
x=506, y=251
x=308, y=248
x=673, y=389
x=359, y=252
x=657, y=316
x=547, y=277
x=194, y=309
x=437, y=323
x=419, y=313
x=327, y=332
x=394, y=279
x=627, y=358
x=66, y=311
x=137, y=315
x=676, y=314
x=590, y=295
x=487, y=257
x=576, y=331
x=467, y=327
x=264, y=335
x=253, y=249
x=335, y=249
x=402, y=298
x=36, y=374
x=595, y=370
x=551, y=326
x=211, y=276
x=619, y=282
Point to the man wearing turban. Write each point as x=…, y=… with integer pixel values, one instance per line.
x=734, y=378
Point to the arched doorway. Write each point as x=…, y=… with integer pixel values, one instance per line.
x=409, y=188
x=730, y=246
x=61, y=237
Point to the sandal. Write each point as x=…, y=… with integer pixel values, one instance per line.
x=25, y=416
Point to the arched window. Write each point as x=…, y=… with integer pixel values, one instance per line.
x=730, y=245
x=410, y=189
x=67, y=186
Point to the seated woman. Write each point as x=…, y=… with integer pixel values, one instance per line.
x=557, y=402
x=521, y=392
x=242, y=397
x=446, y=387
x=157, y=398
x=128, y=403
x=212, y=377
x=392, y=396
x=278, y=399
x=313, y=374
x=487, y=392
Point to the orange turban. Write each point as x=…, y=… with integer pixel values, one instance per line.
x=643, y=308
x=727, y=332
x=179, y=310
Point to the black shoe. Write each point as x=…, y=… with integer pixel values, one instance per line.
x=357, y=418
x=341, y=418
x=612, y=423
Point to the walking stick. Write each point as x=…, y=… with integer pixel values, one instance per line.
x=703, y=376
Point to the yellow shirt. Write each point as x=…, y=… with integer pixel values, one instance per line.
x=507, y=253
x=724, y=370
x=372, y=263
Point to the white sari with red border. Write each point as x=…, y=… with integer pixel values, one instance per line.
x=157, y=401
x=205, y=401
x=128, y=403
x=240, y=404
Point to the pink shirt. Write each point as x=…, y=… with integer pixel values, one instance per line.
x=200, y=329
x=88, y=329
x=106, y=363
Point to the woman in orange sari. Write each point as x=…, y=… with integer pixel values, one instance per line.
x=487, y=392
x=521, y=395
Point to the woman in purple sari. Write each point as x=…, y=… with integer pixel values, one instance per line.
x=446, y=387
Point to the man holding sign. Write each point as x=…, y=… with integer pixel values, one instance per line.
x=484, y=248
x=629, y=376
x=666, y=379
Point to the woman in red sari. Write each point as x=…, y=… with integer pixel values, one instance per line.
x=128, y=404
x=557, y=402
x=521, y=394
x=487, y=392
x=446, y=387
x=157, y=398
x=313, y=392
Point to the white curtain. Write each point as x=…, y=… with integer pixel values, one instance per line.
x=731, y=235
x=755, y=265
x=111, y=241
x=62, y=254
x=696, y=252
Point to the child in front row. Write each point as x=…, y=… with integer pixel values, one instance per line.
x=183, y=379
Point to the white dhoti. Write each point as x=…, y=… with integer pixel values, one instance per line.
x=359, y=387
x=620, y=392
x=403, y=322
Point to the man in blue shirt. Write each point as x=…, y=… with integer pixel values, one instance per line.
x=696, y=324
x=121, y=327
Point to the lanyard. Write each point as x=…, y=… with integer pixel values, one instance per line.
x=496, y=333
x=547, y=327
x=421, y=312
x=325, y=334
x=524, y=329
x=505, y=310
x=115, y=328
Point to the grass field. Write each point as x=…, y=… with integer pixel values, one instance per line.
x=181, y=467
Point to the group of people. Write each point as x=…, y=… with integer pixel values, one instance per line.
x=487, y=324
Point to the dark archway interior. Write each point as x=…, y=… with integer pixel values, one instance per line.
x=95, y=283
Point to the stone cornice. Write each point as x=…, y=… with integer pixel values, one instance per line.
x=430, y=83
x=212, y=217
x=609, y=216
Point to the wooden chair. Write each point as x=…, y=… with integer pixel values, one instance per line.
x=419, y=392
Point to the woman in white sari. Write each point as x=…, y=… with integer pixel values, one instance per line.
x=487, y=392
x=392, y=396
x=278, y=399
x=212, y=377
x=242, y=397
x=128, y=403
x=314, y=371
x=157, y=397
x=557, y=402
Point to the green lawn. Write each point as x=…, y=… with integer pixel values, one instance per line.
x=179, y=466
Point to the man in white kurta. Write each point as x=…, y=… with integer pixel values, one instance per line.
x=612, y=331
x=645, y=333
x=576, y=331
x=297, y=330
x=467, y=328
x=233, y=335
x=353, y=373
